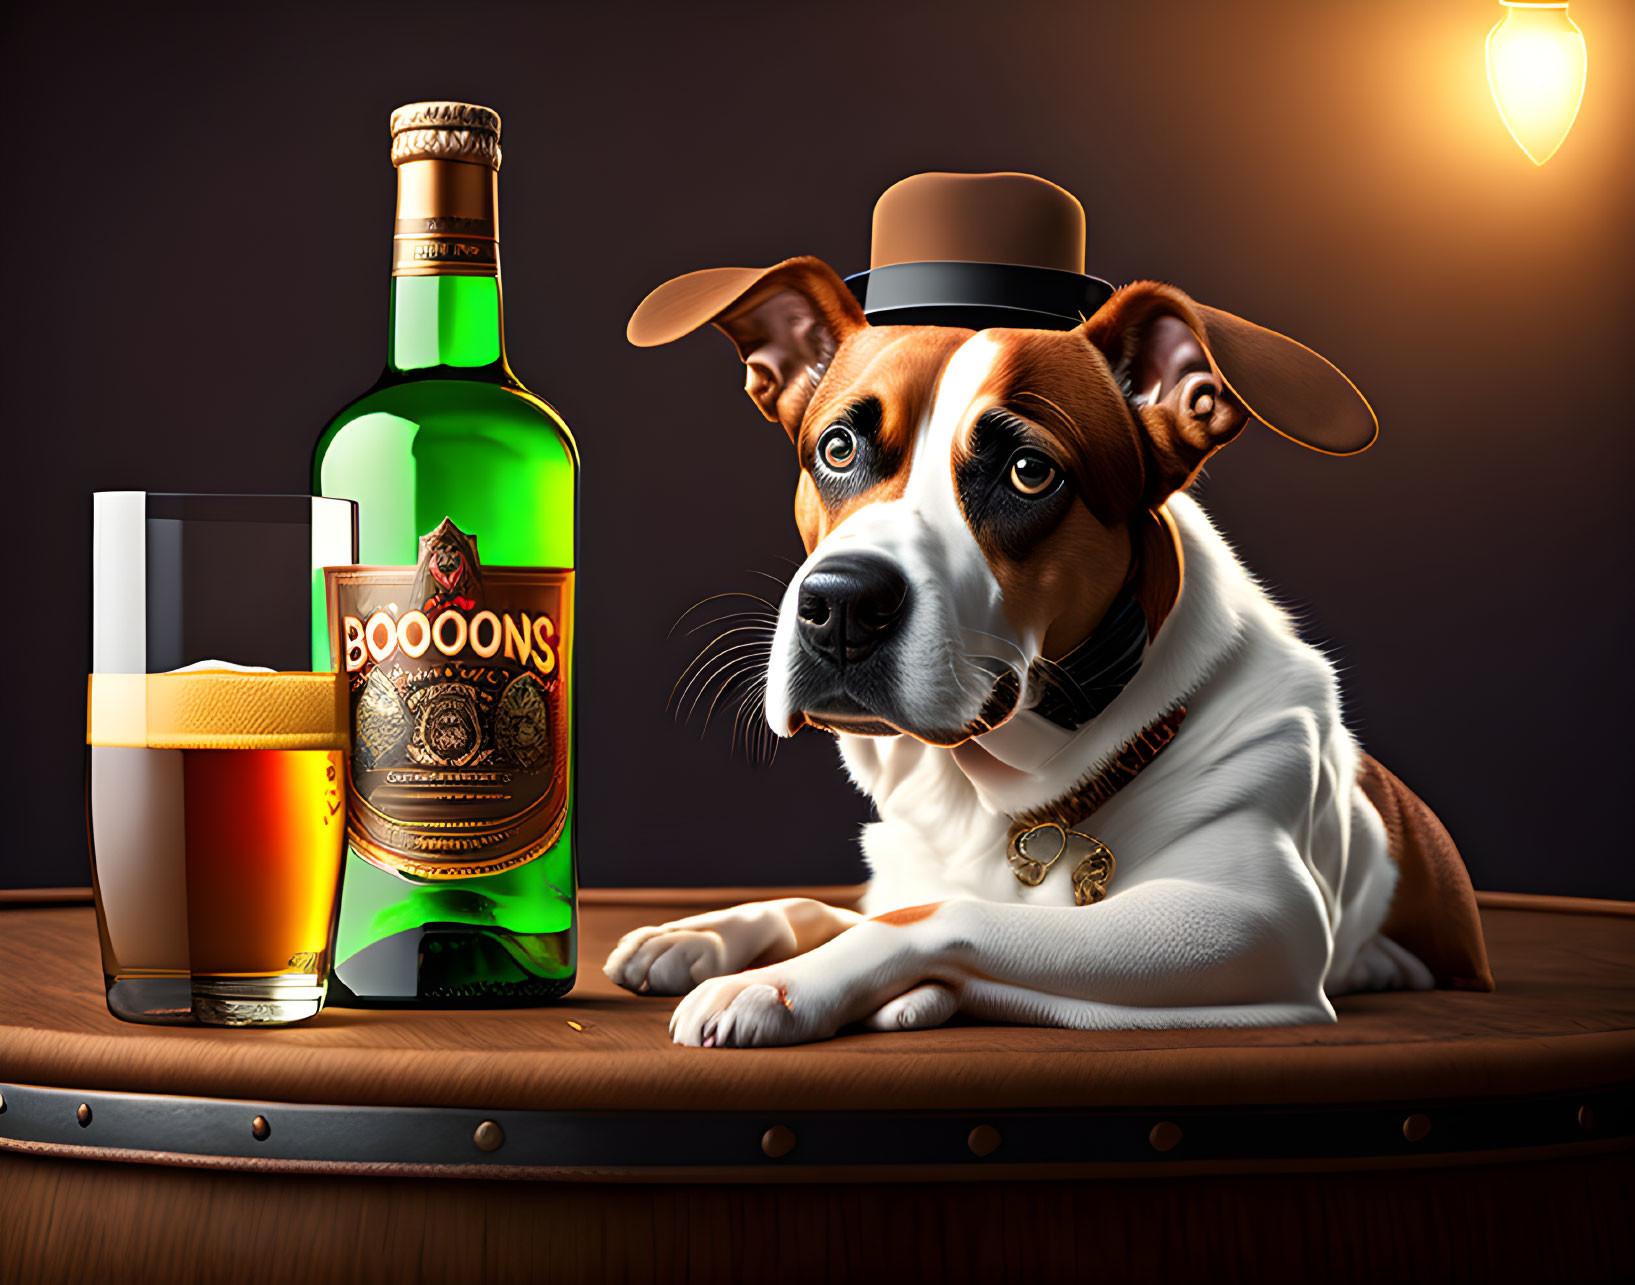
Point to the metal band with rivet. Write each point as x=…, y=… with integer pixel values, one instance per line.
x=352, y=1137
x=778, y=1141
x=983, y=1140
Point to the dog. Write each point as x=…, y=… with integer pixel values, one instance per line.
x=978, y=508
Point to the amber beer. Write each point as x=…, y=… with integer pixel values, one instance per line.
x=217, y=814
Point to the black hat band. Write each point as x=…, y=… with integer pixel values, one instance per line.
x=977, y=296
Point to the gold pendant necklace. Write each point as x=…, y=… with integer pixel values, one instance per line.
x=1042, y=837
x=1029, y=863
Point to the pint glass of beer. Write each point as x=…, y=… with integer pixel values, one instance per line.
x=216, y=763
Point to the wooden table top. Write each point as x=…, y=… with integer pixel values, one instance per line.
x=1562, y=1018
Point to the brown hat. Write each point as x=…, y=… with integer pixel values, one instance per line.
x=978, y=250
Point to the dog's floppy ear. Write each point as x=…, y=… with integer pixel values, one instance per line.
x=1194, y=375
x=786, y=322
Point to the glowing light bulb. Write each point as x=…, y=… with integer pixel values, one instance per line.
x=1535, y=68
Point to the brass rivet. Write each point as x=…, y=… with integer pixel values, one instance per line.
x=83, y=1115
x=778, y=1141
x=1165, y=1136
x=984, y=1140
x=1586, y=1118
x=260, y=1129
x=1416, y=1126
x=489, y=1136
x=2, y=1103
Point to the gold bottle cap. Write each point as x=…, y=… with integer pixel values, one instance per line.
x=446, y=131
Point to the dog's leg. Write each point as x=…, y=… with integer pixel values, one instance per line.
x=1381, y=964
x=926, y=1005
x=672, y=958
x=1167, y=952
x=1000, y=1002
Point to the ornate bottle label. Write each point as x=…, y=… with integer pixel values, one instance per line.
x=458, y=681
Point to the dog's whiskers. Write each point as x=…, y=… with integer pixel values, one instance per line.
x=723, y=660
x=738, y=718
x=765, y=617
x=1047, y=673
x=760, y=633
x=777, y=580
x=680, y=692
x=738, y=673
x=960, y=684
x=715, y=597
x=703, y=662
x=964, y=674
x=972, y=629
x=747, y=672
x=735, y=660
x=748, y=708
x=743, y=717
x=1052, y=674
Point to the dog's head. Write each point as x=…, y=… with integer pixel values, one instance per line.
x=973, y=501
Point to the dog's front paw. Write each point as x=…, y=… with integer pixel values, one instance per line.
x=666, y=961
x=749, y=1010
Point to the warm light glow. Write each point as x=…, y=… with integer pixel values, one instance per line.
x=1535, y=68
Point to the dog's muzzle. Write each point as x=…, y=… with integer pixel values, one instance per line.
x=849, y=604
x=865, y=660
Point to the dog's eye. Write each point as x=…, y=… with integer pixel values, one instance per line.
x=1033, y=474
x=838, y=448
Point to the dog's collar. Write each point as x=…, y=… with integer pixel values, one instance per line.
x=1076, y=688
x=1089, y=678
x=1042, y=836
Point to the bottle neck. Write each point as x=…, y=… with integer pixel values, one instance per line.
x=446, y=306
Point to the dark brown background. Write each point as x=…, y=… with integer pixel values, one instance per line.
x=197, y=251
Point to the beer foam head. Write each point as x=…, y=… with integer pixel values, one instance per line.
x=219, y=709
x=221, y=667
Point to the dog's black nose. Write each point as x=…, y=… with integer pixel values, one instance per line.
x=849, y=604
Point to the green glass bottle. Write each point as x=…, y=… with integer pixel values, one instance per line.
x=456, y=629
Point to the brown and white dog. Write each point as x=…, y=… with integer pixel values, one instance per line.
x=975, y=505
